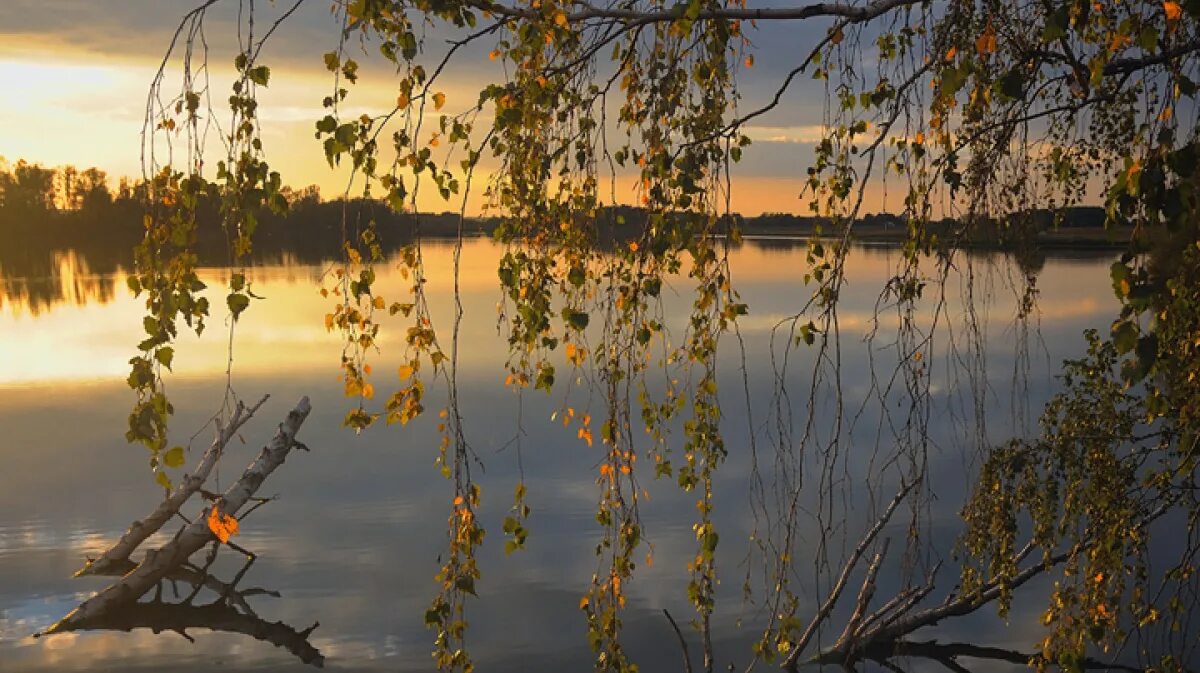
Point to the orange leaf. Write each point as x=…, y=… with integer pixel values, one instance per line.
x=222, y=525
x=986, y=43
x=1173, y=10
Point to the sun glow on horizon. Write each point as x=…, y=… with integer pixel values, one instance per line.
x=86, y=109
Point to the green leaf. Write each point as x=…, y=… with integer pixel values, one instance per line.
x=164, y=356
x=260, y=75
x=575, y=319
x=1125, y=336
x=174, y=457
x=1012, y=85
x=237, y=303
x=466, y=584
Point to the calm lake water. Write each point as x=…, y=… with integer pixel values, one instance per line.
x=354, y=539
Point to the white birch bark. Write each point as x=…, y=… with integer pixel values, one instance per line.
x=193, y=537
x=115, y=555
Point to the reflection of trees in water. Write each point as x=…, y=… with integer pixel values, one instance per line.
x=66, y=260
x=38, y=282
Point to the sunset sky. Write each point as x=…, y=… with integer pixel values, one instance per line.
x=77, y=73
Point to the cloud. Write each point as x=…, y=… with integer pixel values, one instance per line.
x=809, y=134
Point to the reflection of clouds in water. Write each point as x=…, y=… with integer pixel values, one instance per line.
x=353, y=542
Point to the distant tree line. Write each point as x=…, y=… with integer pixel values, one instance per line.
x=47, y=209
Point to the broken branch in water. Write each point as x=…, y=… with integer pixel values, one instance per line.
x=880, y=636
x=827, y=607
x=169, y=507
x=159, y=563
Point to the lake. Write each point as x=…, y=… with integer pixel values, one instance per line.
x=354, y=539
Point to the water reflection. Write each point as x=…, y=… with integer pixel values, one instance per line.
x=227, y=610
x=41, y=282
x=356, y=534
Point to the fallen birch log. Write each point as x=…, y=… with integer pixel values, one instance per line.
x=118, y=555
x=159, y=562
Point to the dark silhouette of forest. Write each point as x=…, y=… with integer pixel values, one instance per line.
x=67, y=231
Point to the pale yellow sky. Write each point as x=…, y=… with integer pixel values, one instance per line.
x=82, y=103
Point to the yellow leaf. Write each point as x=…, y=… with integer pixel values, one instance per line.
x=406, y=372
x=402, y=100
x=837, y=36
x=439, y=99
x=222, y=525
x=919, y=138
x=1173, y=10
x=378, y=302
x=583, y=602
x=368, y=391
x=561, y=20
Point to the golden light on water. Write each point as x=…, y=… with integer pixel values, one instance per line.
x=88, y=333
